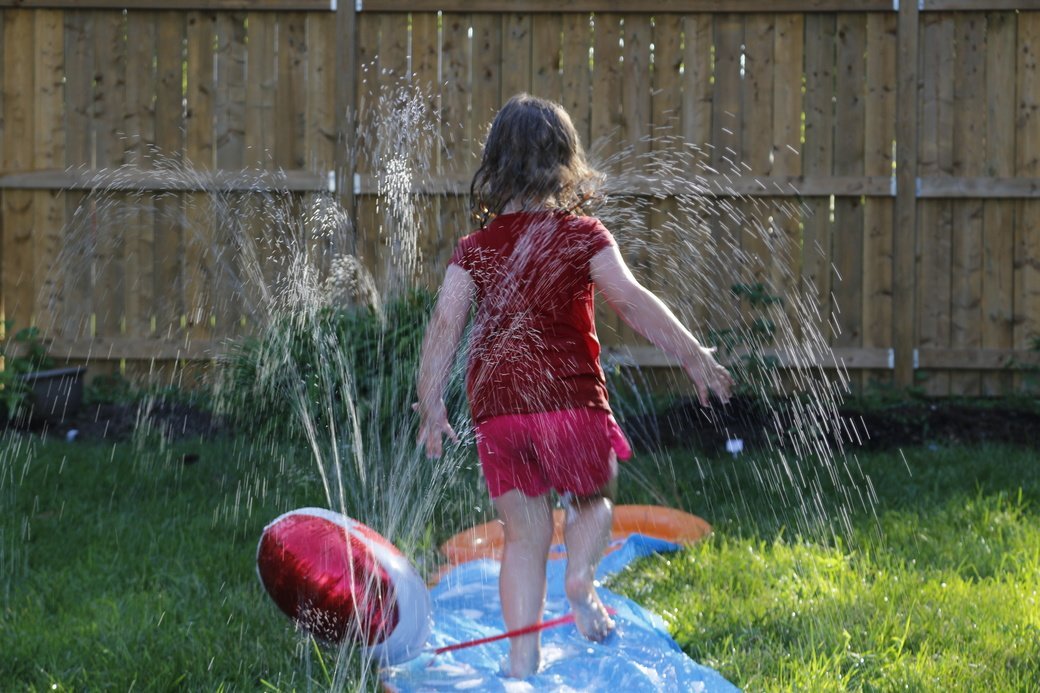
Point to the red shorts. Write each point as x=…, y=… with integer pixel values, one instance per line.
x=572, y=451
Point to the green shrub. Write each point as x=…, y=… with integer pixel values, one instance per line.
x=344, y=369
x=746, y=348
x=24, y=352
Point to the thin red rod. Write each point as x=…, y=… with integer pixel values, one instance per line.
x=533, y=628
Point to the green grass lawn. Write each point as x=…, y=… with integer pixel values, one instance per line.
x=123, y=568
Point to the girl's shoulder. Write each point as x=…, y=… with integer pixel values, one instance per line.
x=588, y=227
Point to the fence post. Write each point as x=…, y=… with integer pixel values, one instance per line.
x=904, y=242
x=346, y=112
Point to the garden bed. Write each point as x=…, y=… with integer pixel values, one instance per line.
x=111, y=421
x=881, y=426
x=887, y=426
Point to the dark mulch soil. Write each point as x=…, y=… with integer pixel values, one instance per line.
x=949, y=423
x=683, y=424
x=116, y=422
x=868, y=425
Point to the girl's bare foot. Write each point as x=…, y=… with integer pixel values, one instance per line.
x=590, y=615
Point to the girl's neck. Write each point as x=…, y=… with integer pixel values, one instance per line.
x=515, y=205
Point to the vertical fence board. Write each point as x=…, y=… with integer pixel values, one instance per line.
x=756, y=114
x=488, y=70
x=426, y=51
x=140, y=223
x=230, y=98
x=635, y=80
x=320, y=127
x=635, y=129
x=756, y=123
x=200, y=153
x=368, y=92
x=935, y=216
x=321, y=131
x=75, y=294
x=878, y=213
x=368, y=29
x=695, y=124
x=847, y=234
x=110, y=294
x=19, y=128
x=546, y=48
x=368, y=79
x=605, y=122
x=817, y=157
x=110, y=55
x=229, y=145
x=140, y=128
x=3, y=97
x=788, y=66
x=1027, y=227
x=3, y=162
x=727, y=151
x=998, y=215
x=260, y=70
x=969, y=132
x=666, y=255
x=666, y=83
x=698, y=87
x=726, y=106
x=457, y=125
x=577, y=85
x=605, y=125
x=169, y=143
x=393, y=72
x=516, y=53
x=455, y=93
x=755, y=120
x=487, y=76
x=289, y=97
x=258, y=142
x=49, y=153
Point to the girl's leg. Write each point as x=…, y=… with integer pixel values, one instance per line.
x=528, y=535
x=587, y=532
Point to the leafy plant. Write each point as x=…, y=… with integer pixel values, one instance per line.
x=747, y=346
x=110, y=389
x=329, y=367
x=24, y=352
x=1032, y=370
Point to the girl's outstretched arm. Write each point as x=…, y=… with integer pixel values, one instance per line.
x=650, y=317
x=438, y=352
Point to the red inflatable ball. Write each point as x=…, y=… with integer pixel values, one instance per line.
x=338, y=579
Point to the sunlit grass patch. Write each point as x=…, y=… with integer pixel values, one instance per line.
x=938, y=589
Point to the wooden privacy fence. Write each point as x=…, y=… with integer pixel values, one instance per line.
x=909, y=134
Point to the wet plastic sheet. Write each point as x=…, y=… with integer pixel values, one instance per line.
x=640, y=655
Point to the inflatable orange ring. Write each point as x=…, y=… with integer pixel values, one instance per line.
x=486, y=540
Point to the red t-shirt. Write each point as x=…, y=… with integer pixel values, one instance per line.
x=533, y=347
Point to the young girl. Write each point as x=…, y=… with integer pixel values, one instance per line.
x=534, y=381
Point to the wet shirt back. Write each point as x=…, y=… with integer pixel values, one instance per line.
x=533, y=347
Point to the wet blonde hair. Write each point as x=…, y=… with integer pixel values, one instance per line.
x=532, y=155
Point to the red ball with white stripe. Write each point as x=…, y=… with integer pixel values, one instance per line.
x=338, y=578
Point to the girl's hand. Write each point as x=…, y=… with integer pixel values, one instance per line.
x=433, y=424
x=709, y=375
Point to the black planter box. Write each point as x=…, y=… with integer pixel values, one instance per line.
x=54, y=395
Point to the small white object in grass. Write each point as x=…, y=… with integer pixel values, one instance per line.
x=735, y=446
x=71, y=434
